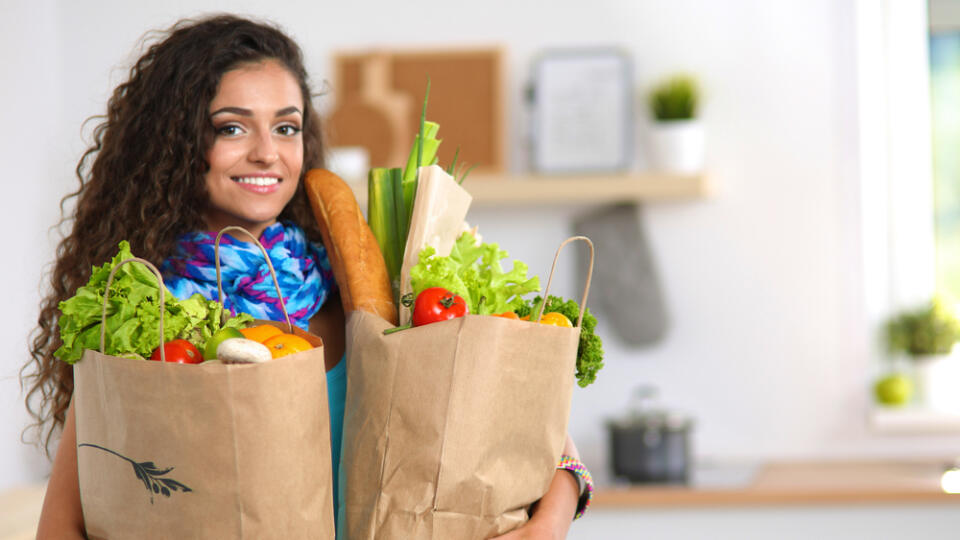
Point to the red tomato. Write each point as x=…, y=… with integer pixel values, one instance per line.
x=437, y=304
x=178, y=351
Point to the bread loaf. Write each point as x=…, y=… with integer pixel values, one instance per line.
x=355, y=257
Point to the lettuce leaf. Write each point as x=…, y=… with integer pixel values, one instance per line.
x=133, y=313
x=473, y=271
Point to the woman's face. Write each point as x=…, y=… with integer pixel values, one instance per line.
x=257, y=151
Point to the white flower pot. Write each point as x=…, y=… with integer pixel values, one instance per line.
x=938, y=381
x=676, y=146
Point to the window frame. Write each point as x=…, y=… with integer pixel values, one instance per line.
x=895, y=157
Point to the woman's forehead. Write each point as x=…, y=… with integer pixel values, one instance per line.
x=266, y=85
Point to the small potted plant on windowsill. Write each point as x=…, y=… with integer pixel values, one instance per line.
x=927, y=336
x=676, y=133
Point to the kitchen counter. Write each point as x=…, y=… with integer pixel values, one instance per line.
x=20, y=512
x=794, y=483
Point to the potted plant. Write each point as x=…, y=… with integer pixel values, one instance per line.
x=927, y=336
x=676, y=133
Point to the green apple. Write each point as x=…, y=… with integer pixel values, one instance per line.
x=210, y=349
x=894, y=389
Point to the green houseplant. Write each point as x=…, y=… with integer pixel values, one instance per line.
x=928, y=331
x=675, y=98
x=926, y=336
x=676, y=137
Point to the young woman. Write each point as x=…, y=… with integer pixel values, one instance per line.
x=214, y=127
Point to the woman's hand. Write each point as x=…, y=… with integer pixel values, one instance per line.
x=551, y=516
x=532, y=530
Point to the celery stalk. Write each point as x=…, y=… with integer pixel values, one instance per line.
x=429, y=150
x=401, y=212
x=382, y=218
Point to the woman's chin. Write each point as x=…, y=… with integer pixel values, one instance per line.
x=255, y=223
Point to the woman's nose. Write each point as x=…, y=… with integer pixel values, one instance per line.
x=264, y=149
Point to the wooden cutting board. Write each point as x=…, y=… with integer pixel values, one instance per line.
x=373, y=115
x=378, y=98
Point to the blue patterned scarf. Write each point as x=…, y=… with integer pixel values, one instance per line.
x=302, y=268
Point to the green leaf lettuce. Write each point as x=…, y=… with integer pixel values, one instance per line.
x=133, y=313
x=473, y=271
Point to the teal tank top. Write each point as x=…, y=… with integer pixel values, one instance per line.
x=336, y=395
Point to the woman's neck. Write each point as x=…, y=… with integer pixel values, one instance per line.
x=216, y=223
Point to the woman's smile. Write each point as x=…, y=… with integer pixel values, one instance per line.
x=259, y=184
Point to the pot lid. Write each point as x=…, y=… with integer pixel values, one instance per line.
x=639, y=414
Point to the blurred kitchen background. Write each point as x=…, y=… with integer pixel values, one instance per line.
x=747, y=286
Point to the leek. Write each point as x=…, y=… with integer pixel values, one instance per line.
x=382, y=218
x=391, y=194
x=429, y=150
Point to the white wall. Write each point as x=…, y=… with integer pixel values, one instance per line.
x=768, y=347
x=38, y=164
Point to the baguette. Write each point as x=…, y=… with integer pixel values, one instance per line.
x=356, y=260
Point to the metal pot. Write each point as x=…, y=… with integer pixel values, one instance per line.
x=651, y=446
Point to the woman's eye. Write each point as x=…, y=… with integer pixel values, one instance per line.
x=288, y=130
x=229, y=130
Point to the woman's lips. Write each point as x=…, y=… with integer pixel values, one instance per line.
x=258, y=184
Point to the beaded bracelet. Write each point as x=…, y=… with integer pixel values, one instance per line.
x=577, y=467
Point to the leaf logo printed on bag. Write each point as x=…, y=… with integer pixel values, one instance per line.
x=149, y=474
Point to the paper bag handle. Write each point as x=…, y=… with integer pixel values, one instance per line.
x=106, y=296
x=273, y=273
x=586, y=286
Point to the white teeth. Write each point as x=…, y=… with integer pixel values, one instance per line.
x=258, y=180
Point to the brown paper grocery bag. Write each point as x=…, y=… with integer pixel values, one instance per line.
x=452, y=429
x=204, y=451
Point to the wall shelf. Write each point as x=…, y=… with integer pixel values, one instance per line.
x=914, y=420
x=584, y=189
x=534, y=190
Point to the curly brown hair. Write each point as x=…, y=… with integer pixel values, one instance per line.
x=142, y=179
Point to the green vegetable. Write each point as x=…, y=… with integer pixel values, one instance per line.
x=391, y=193
x=473, y=271
x=590, y=350
x=382, y=217
x=428, y=152
x=218, y=337
x=133, y=313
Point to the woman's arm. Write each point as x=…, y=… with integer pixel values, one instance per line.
x=62, y=515
x=551, y=516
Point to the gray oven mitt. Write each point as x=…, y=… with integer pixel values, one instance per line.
x=625, y=285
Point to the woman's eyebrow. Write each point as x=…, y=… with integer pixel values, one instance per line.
x=247, y=112
x=289, y=110
x=233, y=110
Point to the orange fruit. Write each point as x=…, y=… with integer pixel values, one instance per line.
x=556, y=319
x=507, y=315
x=261, y=332
x=284, y=344
x=553, y=319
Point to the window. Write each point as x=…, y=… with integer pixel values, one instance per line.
x=894, y=158
x=945, y=124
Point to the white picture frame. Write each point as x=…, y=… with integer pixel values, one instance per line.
x=582, y=111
